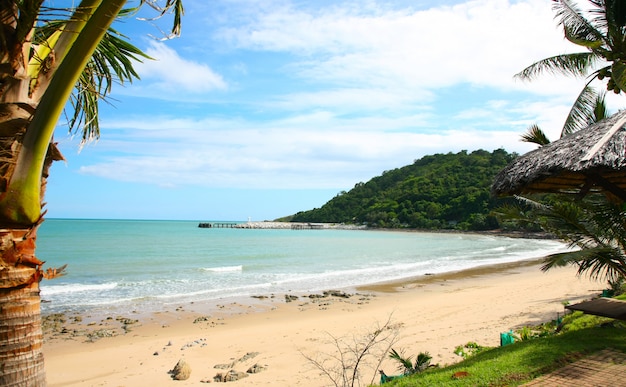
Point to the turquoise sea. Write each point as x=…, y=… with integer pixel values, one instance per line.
x=123, y=265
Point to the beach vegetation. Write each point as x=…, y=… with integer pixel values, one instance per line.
x=519, y=363
x=405, y=364
x=52, y=60
x=469, y=349
x=353, y=358
x=441, y=191
x=593, y=227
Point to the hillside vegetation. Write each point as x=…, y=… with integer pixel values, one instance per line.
x=442, y=191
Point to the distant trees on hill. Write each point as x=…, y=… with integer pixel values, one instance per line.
x=442, y=191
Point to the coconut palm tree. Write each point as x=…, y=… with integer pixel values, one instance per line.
x=48, y=56
x=601, y=31
x=594, y=225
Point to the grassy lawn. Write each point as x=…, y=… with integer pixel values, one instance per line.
x=523, y=361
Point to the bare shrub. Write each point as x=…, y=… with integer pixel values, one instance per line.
x=356, y=355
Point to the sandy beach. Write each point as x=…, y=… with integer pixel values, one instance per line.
x=276, y=340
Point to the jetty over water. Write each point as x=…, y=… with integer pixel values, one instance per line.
x=280, y=225
x=217, y=225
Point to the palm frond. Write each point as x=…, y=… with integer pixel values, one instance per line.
x=568, y=220
x=535, y=135
x=600, y=111
x=28, y=14
x=597, y=262
x=613, y=14
x=422, y=362
x=405, y=364
x=170, y=6
x=582, y=113
x=112, y=62
x=577, y=28
x=576, y=64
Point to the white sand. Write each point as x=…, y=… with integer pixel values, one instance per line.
x=435, y=315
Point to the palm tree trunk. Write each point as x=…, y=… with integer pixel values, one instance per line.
x=21, y=337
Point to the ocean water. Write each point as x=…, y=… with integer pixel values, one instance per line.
x=123, y=265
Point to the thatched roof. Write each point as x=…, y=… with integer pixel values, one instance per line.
x=592, y=159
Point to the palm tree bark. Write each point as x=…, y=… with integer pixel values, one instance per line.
x=26, y=153
x=21, y=337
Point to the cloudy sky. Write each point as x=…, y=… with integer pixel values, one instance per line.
x=263, y=108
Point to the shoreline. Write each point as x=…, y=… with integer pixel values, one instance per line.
x=433, y=313
x=149, y=303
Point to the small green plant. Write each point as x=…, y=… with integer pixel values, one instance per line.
x=526, y=333
x=467, y=350
x=406, y=365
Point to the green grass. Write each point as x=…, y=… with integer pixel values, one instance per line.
x=523, y=361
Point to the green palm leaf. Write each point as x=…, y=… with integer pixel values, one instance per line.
x=405, y=364
x=594, y=228
x=577, y=65
x=111, y=63
x=577, y=28
x=588, y=108
x=598, y=262
x=535, y=135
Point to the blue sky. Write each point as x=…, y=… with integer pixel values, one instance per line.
x=263, y=108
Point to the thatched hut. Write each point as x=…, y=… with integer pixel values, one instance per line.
x=590, y=160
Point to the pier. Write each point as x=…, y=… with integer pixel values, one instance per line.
x=281, y=225
x=217, y=225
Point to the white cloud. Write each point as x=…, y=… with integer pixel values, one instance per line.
x=171, y=73
x=482, y=42
x=350, y=91
x=286, y=155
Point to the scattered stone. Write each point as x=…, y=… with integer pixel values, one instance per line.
x=259, y=297
x=255, y=369
x=230, y=376
x=202, y=319
x=156, y=353
x=53, y=322
x=337, y=293
x=289, y=298
x=181, y=371
x=126, y=321
x=200, y=342
x=100, y=333
x=248, y=356
x=245, y=357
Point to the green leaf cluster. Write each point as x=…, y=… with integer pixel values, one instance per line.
x=441, y=191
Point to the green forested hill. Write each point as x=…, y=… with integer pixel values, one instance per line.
x=442, y=191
